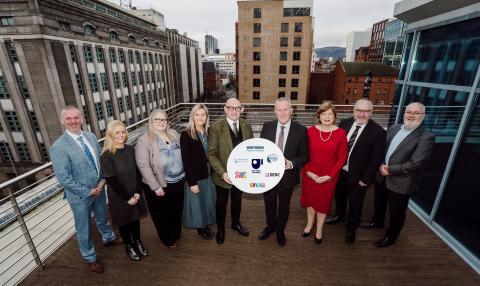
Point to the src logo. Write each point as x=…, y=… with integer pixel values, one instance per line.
x=240, y=175
x=256, y=163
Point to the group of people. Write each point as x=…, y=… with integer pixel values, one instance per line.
x=183, y=177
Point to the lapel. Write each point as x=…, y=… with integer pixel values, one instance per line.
x=225, y=133
x=392, y=133
x=414, y=135
x=291, y=134
x=348, y=125
x=93, y=143
x=70, y=144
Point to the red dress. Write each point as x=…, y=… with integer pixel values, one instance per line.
x=326, y=158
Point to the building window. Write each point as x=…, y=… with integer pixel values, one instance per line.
x=104, y=79
x=282, y=82
x=140, y=78
x=13, y=52
x=3, y=89
x=137, y=100
x=298, y=27
x=13, y=122
x=282, y=69
x=131, y=39
x=23, y=151
x=296, y=56
x=283, y=56
x=113, y=35
x=124, y=79
x=121, y=56
x=99, y=111
x=6, y=151
x=34, y=119
x=79, y=83
x=87, y=51
x=295, y=69
x=134, y=78
x=145, y=58
x=89, y=29
x=6, y=21
x=283, y=41
x=116, y=80
x=256, y=95
x=145, y=42
x=256, y=56
x=93, y=82
x=113, y=56
x=121, y=108
x=281, y=94
x=256, y=69
x=147, y=78
x=297, y=41
x=257, y=13
x=257, y=42
x=294, y=82
x=100, y=55
x=157, y=44
x=284, y=28
x=23, y=86
x=73, y=54
x=355, y=91
x=348, y=90
x=296, y=12
x=108, y=104
x=257, y=27
x=294, y=95
x=256, y=82
x=137, y=58
x=128, y=102
x=142, y=98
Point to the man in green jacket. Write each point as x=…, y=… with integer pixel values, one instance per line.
x=224, y=135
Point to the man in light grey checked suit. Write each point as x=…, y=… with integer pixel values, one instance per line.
x=76, y=161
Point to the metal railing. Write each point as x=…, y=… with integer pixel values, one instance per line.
x=35, y=220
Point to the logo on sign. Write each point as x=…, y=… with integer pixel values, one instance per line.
x=257, y=185
x=255, y=148
x=240, y=175
x=272, y=175
x=240, y=161
x=256, y=163
x=272, y=158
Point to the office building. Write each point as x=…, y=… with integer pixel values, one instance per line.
x=393, y=43
x=376, y=42
x=356, y=40
x=211, y=45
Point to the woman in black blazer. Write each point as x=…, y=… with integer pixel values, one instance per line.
x=199, y=203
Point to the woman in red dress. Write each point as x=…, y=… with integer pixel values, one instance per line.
x=328, y=152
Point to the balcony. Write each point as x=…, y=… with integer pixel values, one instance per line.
x=37, y=233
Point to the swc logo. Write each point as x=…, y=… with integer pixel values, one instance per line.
x=256, y=163
x=257, y=185
x=240, y=175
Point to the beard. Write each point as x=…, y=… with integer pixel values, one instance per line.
x=411, y=125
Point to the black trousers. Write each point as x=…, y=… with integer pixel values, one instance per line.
x=341, y=195
x=221, y=205
x=277, y=207
x=397, y=203
x=166, y=211
x=130, y=232
x=354, y=195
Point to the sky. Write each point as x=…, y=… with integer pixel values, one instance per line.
x=333, y=18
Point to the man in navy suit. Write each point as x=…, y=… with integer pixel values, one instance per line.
x=291, y=137
x=366, y=142
x=76, y=163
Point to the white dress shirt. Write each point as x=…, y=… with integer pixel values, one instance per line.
x=230, y=123
x=75, y=138
x=285, y=133
x=349, y=134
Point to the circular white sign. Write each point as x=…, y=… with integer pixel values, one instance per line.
x=256, y=165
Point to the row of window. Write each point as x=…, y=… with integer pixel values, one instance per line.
x=6, y=21
x=282, y=82
x=282, y=69
x=284, y=27
x=283, y=56
x=297, y=42
x=293, y=95
x=287, y=12
x=88, y=54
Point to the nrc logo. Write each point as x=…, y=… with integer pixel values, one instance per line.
x=257, y=185
x=240, y=175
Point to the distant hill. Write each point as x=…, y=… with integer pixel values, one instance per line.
x=334, y=52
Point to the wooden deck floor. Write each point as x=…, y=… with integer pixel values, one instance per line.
x=418, y=258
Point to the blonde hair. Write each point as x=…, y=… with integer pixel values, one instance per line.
x=109, y=144
x=326, y=105
x=152, y=134
x=191, y=131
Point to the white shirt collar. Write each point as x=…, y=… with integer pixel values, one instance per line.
x=287, y=125
x=73, y=135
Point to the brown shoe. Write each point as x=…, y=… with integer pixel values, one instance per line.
x=116, y=241
x=95, y=267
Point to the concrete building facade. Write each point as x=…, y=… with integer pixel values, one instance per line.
x=224, y=62
x=376, y=42
x=274, y=50
x=211, y=45
x=355, y=40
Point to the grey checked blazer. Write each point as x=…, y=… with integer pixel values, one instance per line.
x=73, y=168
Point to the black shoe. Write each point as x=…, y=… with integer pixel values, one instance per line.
x=350, y=237
x=220, y=235
x=266, y=233
x=281, y=240
x=306, y=234
x=204, y=234
x=384, y=242
x=318, y=240
x=242, y=230
x=370, y=225
x=131, y=252
x=140, y=248
x=207, y=230
x=334, y=219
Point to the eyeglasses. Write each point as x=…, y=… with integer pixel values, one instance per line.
x=160, y=120
x=363, y=110
x=416, y=113
x=232, y=108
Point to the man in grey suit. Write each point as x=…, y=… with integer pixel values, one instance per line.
x=76, y=163
x=408, y=148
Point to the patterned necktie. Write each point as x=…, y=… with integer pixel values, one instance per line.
x=352, y=138
x=235, y=129
x=87, y=151
x=281, y=138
